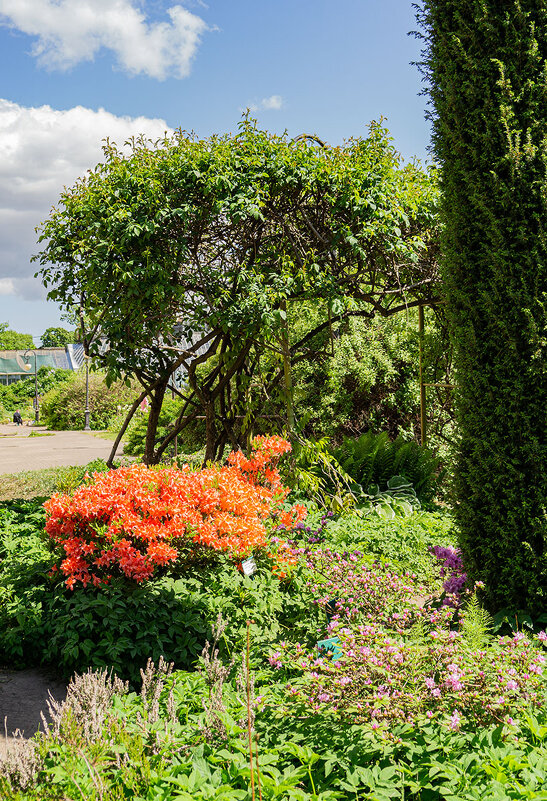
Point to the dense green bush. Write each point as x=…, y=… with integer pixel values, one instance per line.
x=120, y=627
x=485, y=62
x=366, y=377
x=63, y=408
x=21, y=393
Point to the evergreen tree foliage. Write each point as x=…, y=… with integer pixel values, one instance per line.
x=485, y=61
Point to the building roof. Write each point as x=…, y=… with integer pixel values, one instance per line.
x=12, y=362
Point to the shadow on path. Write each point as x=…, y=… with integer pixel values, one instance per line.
x=23, y=695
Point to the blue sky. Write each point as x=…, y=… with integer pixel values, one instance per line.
x=75, y=71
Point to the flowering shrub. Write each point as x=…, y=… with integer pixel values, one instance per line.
x=131, y=520
x=453, y=572
x=397, y=659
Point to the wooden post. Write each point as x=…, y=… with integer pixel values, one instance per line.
x=423, y=422
x=287, y=369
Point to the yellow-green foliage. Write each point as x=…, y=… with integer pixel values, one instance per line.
x=63, y=408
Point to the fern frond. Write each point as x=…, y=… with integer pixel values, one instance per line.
x=476, y=625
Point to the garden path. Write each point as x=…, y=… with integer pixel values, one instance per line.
x=23, y=695
x=19, y=451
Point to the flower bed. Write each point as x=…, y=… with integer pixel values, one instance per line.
x=397, y=660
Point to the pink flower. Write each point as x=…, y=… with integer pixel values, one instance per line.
x=455, y=721
x=274, y=660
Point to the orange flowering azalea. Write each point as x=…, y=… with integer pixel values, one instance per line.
x=132, y=520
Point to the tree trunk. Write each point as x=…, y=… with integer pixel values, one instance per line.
x=150, y=456
x=210, y=434
x=123, y=429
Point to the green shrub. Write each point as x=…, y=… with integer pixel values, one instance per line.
x=21, y=393
x=120, y=625
x=63, y=408
x=5, y=415
x=366, y=376
x=373, y=460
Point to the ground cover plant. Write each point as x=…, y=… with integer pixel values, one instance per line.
x=186, y=735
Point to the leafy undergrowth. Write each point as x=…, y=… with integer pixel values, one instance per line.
x=185, y=738
x=403, y=541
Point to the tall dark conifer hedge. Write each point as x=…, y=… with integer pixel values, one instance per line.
x=486, y=65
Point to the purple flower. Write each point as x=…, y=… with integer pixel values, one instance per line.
x=453, y=569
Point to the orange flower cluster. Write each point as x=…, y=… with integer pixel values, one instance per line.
x=131, y=520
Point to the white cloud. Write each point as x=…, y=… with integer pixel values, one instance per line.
x=42, y=150
x=6, y=286
x=70, y=31
x=272, y=103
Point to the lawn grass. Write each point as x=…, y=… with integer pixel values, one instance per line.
x=32, y=483
x=29, y=483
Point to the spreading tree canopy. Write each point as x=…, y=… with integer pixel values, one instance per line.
x=56, y=338
x=486, y=62
x=13, y=340
x=184, y=253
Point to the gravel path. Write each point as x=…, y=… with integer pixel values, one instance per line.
x=19, y=451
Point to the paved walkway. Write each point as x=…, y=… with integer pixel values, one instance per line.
x=19, y=451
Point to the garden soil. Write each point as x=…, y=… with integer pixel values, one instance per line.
x=23, y=696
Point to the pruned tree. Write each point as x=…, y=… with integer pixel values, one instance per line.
x=183, y=254
x=486, y=63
